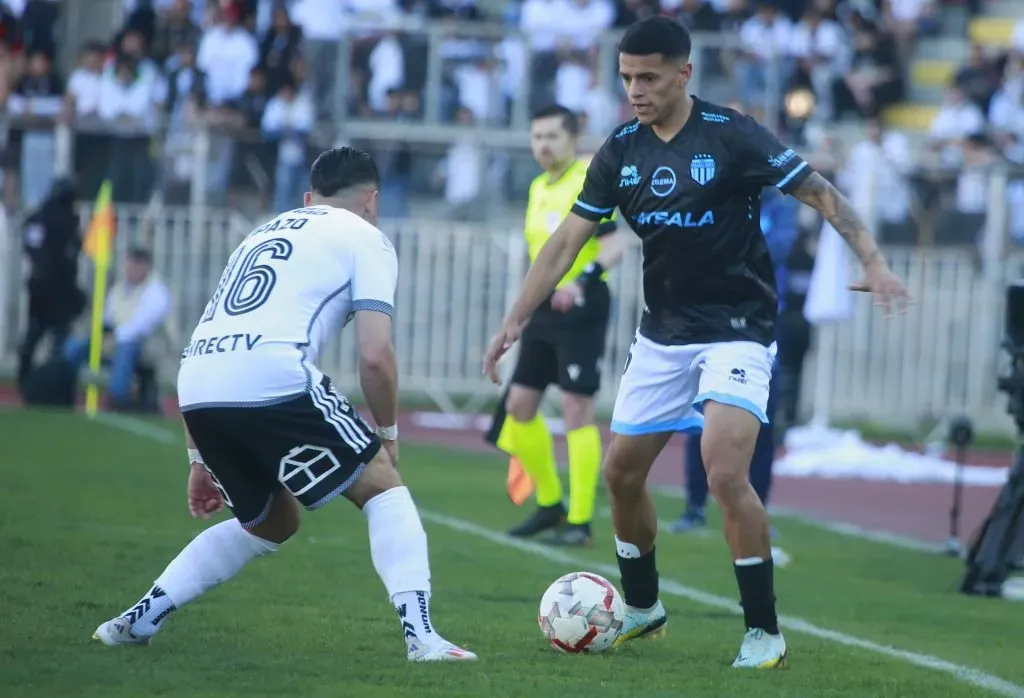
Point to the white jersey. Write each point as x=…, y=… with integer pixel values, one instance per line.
x=288, y=288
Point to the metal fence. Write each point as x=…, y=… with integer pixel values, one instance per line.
x=456, y=282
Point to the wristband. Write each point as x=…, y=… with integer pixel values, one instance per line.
x=591, y=273
x=194, y=457
x=388, y=433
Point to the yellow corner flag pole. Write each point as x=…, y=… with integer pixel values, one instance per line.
x=97, y=243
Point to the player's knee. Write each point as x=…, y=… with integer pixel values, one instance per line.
x=621, y=475
x=577, y=410
x=281, y=521
x=522, y=403
x=378, y=476
x=727, y=484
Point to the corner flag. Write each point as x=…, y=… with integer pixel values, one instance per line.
x=99, y=239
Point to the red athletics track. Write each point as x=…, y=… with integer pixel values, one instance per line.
x=915, y=510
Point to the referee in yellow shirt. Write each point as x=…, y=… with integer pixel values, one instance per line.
x=563, y=344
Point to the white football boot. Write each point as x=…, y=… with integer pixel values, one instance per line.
x=761, y=651
x=640, y=623
x=439, y=650
x=118, y=631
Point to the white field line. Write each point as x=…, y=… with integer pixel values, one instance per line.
x=965, y=674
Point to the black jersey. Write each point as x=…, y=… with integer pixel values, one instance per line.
x=695, y=203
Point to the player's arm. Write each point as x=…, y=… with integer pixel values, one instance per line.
x=767, y=162
x=373, y=296
x=821, y=195
x=553, y=262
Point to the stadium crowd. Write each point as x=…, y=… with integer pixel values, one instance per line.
x=262, y=76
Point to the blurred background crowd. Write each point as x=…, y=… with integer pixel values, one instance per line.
x=909, y=103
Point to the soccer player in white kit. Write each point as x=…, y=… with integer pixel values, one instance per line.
x=266, y=431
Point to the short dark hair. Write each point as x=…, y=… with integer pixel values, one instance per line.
x=338, y=169
x=140, y=254
x=570, y=121
x=656, y=35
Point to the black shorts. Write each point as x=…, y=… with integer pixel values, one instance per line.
x=314, y=446
x=567, y=350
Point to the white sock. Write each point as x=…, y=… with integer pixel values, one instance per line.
x=398, y=546
x=214, y=556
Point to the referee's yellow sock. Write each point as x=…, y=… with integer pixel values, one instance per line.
x=532, y=444
x=584, y=471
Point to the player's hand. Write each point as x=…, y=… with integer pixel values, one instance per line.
x=204, y=498
x=391, y=448
x=885, y=286
x=500, y=344
x=566, y=298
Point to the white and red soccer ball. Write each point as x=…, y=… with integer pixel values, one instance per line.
x=581, y=612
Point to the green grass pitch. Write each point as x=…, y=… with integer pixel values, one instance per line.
x=92, y=513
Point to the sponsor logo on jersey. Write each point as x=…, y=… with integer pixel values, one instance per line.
x=702, y=168
x=628, y=176
x=714, y=118
x=782, y=158
x=678, y=219
x=242, y=341
x=663, y=182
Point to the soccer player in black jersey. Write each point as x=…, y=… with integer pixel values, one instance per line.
x=687, y=175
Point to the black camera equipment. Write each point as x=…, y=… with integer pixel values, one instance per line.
x=961, y=434
x=998, y=546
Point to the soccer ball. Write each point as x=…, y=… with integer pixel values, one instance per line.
x=581, y=612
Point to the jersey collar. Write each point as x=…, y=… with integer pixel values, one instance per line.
x=689, y=127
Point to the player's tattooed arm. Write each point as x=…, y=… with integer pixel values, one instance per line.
x=821, y=195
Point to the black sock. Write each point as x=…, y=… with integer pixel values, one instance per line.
x=757, y=595
x=639, y=580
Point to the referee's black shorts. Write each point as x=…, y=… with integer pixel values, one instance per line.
x=565, y=348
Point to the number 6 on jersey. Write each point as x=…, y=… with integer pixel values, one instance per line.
x=251, y=284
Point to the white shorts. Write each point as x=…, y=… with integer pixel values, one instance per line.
x=664, y=387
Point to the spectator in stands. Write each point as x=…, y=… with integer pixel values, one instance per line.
x=629, y=12
x=322, y=23
x=37, y=101
x=462, y=171
x=289, y=120
x=279, y=49
x=387, y=70
x=186, y=99
x=394, y=157
x=877, y=179
x=765, y=40
x=820, y=48
x=957, y=119
x=128, y=108
x=979, y=78
x=137, y=310
x=1006, y=109
x=477, y=85
x=175, y=30
x=442, y=9
x=131, y=46
x=967, y=223
x=874, y=79
x=695, y=15
x=38, y=25
x=227, y=52
x=82, y=100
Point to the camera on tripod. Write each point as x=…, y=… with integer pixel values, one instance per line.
x=998, y=546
